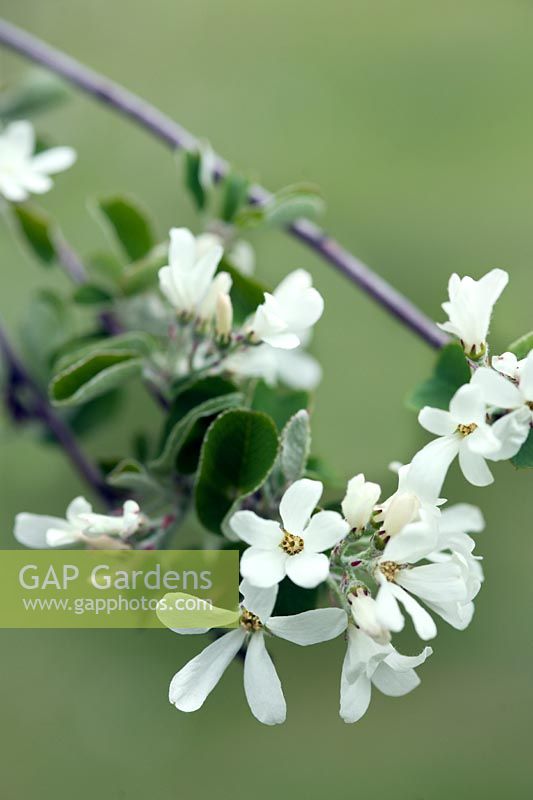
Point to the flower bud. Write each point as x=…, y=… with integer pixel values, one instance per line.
x=224, y=315
x=364, y=613
x=400, y=511
x=358, y=505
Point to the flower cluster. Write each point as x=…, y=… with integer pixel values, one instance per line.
x=204, y=337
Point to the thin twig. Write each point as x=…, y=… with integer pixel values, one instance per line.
x=41, y=409
x=178, y=137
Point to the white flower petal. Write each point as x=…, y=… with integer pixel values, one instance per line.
x=435, y=582
x=298, y=503
x=259, y=601
x=182, y=250
x=30, y=529
x=511, y=431
x=467, y=405
x=399, y=662
x=423, y=622
x=190, y=687
x=497, y=390
x=54, y=160
x=310, y=627
x=414, y=542
x=460, y=518
x=262, y=685
x=387, y=608
x=526, y=377
x=355, y=697
x=255, y=530
x=76, y=507
x=393, y=683
x=307, y=569
x=263, y=568
x=474, y=467
x=430, y=465
x=325, y=530
x=20, y=137
x=436, y=420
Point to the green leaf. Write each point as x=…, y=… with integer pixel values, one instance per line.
x=193, y=165
x=46, y=325
x=279, y=403
x=238, y=453
x=180, y=433
x=246, y=292
x=38, y=92
x=234, y=194
x=524, y=458
x=91, y=415
x=295, y=446
x=129, y=224
x=129, y=474
x=451, y=372
x=91, y=294
x=94, y=375
x=133, y=342
x=38, y=231
x=522, y=346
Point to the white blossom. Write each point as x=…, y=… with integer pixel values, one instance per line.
x=21, y=172
x=398, y=579
x=80, y=525
x=359, y=501
x=469, y=308
x=187, y=279
x=462, y=431
x=294, y=548
x=194, y=682
x=515, y=396
x=369, y=663
x=454, y=544
x=293, y=308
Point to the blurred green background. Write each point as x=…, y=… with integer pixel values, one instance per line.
x=416, y=119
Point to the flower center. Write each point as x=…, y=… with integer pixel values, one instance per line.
x=466, y=430
x=291, y=544
x=390, y=569
x=530, y=405
x=249, y=621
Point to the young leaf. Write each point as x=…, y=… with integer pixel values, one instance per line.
x=94, y=375
x=133, y=477
x=451, y=372
x=193, y=182
x=280, y=404
x=91, y=294
x=38, y=231
x=238, y=453
x=295, y=446
x=129, y=224
x=524, y=458
x=37, y=92
x=234, y=194
x=522, y=346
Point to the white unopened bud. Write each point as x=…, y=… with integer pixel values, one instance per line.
x=400, y=511
x=224, y=315
x=364, y=613
x=358, y=505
